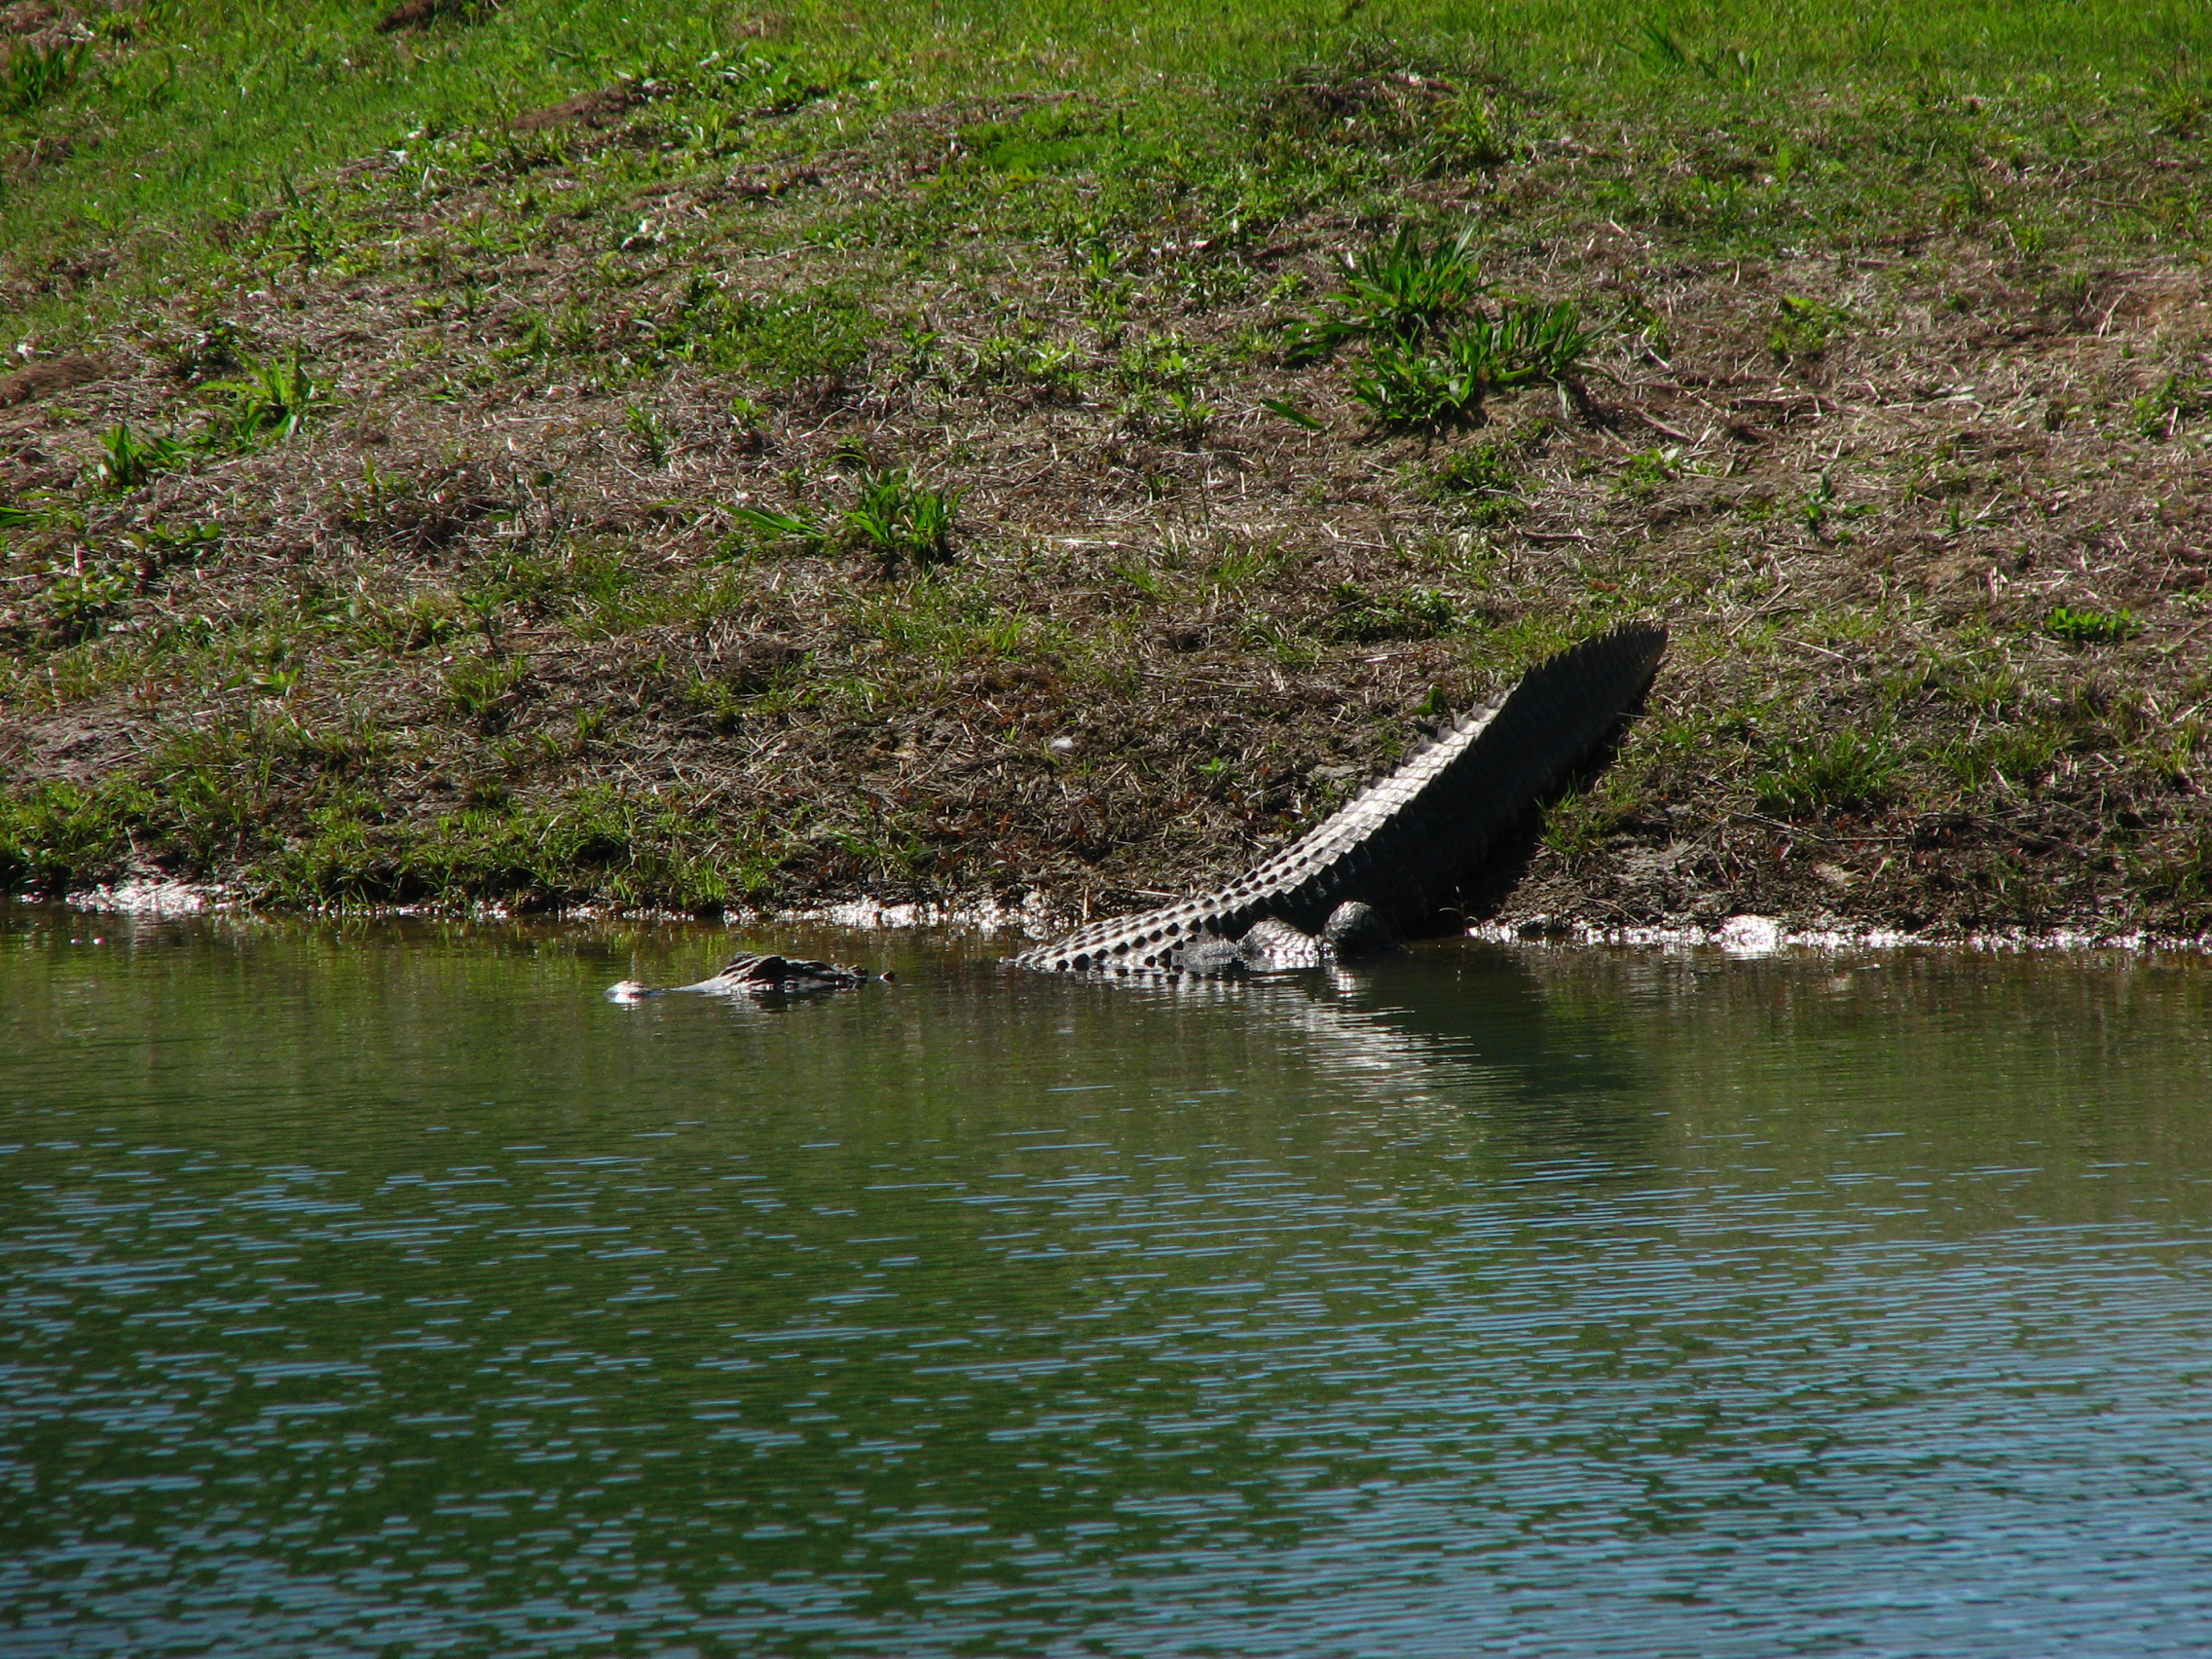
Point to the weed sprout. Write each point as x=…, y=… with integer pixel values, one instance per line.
x=781, y=526
x=900, y=518
x=1413, y=385
x=650, y=433
x=269, y=399
x=478, y=685
x=127, y=462
x=1804, y=329
x=2085, y=627
x=2178, y=398
x=1395, y=292
x=1433, y=356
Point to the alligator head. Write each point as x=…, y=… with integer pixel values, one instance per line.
x=754, y=974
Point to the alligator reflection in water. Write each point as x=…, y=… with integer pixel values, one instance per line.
x=1464, y=1031
x=1563, y=1081
x=1552, y=1076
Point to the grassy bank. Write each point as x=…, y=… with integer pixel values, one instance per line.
x=538, y=454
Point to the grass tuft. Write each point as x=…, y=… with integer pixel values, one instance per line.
x=1365, y=617
x=1803, y=329
x=901, y=518
x=1413, y=386
x=1835, y=773
x=33, y=74
x=1395, y=292
x=128, y=460
x=478, y=687
x=2177, y=400
x=270, y=400
x=2086, y=627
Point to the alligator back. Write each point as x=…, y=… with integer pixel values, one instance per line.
x=1403, y=842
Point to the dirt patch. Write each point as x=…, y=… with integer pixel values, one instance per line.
x=23, y=166
x=43, y=380
x=586, y=109
x=422, y=14
x=33, y=17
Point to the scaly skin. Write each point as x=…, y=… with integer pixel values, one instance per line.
x=1401, y=844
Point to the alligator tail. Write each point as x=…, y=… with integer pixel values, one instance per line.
x=1402, y=843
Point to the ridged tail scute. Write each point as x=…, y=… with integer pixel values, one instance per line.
x=1403, y=842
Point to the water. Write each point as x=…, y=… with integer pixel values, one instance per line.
x=381, y=1290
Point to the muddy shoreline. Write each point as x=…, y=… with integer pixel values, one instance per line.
x=1736, y=936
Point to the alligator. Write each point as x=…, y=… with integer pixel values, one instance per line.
x=1370, y=874
x=1375, y=870
x=751, y=974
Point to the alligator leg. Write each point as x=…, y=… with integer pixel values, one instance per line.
x=1356, y=929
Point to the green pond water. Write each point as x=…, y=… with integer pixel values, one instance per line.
x=384, y=1290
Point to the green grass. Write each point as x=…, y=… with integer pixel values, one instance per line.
x=2015, y=757
x=1486, y=478
x=1804, y=329
x=130, y=460
x=267, y=402
x=1397, y=291
x=1432, y=355
x=892, y=516
x=184, y=119
x=1365, y=617
x=1836, y=773
x=797, y=337
x=38, y=74
x=1409, y=383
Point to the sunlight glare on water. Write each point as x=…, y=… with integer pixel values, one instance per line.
x=383, y=1289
